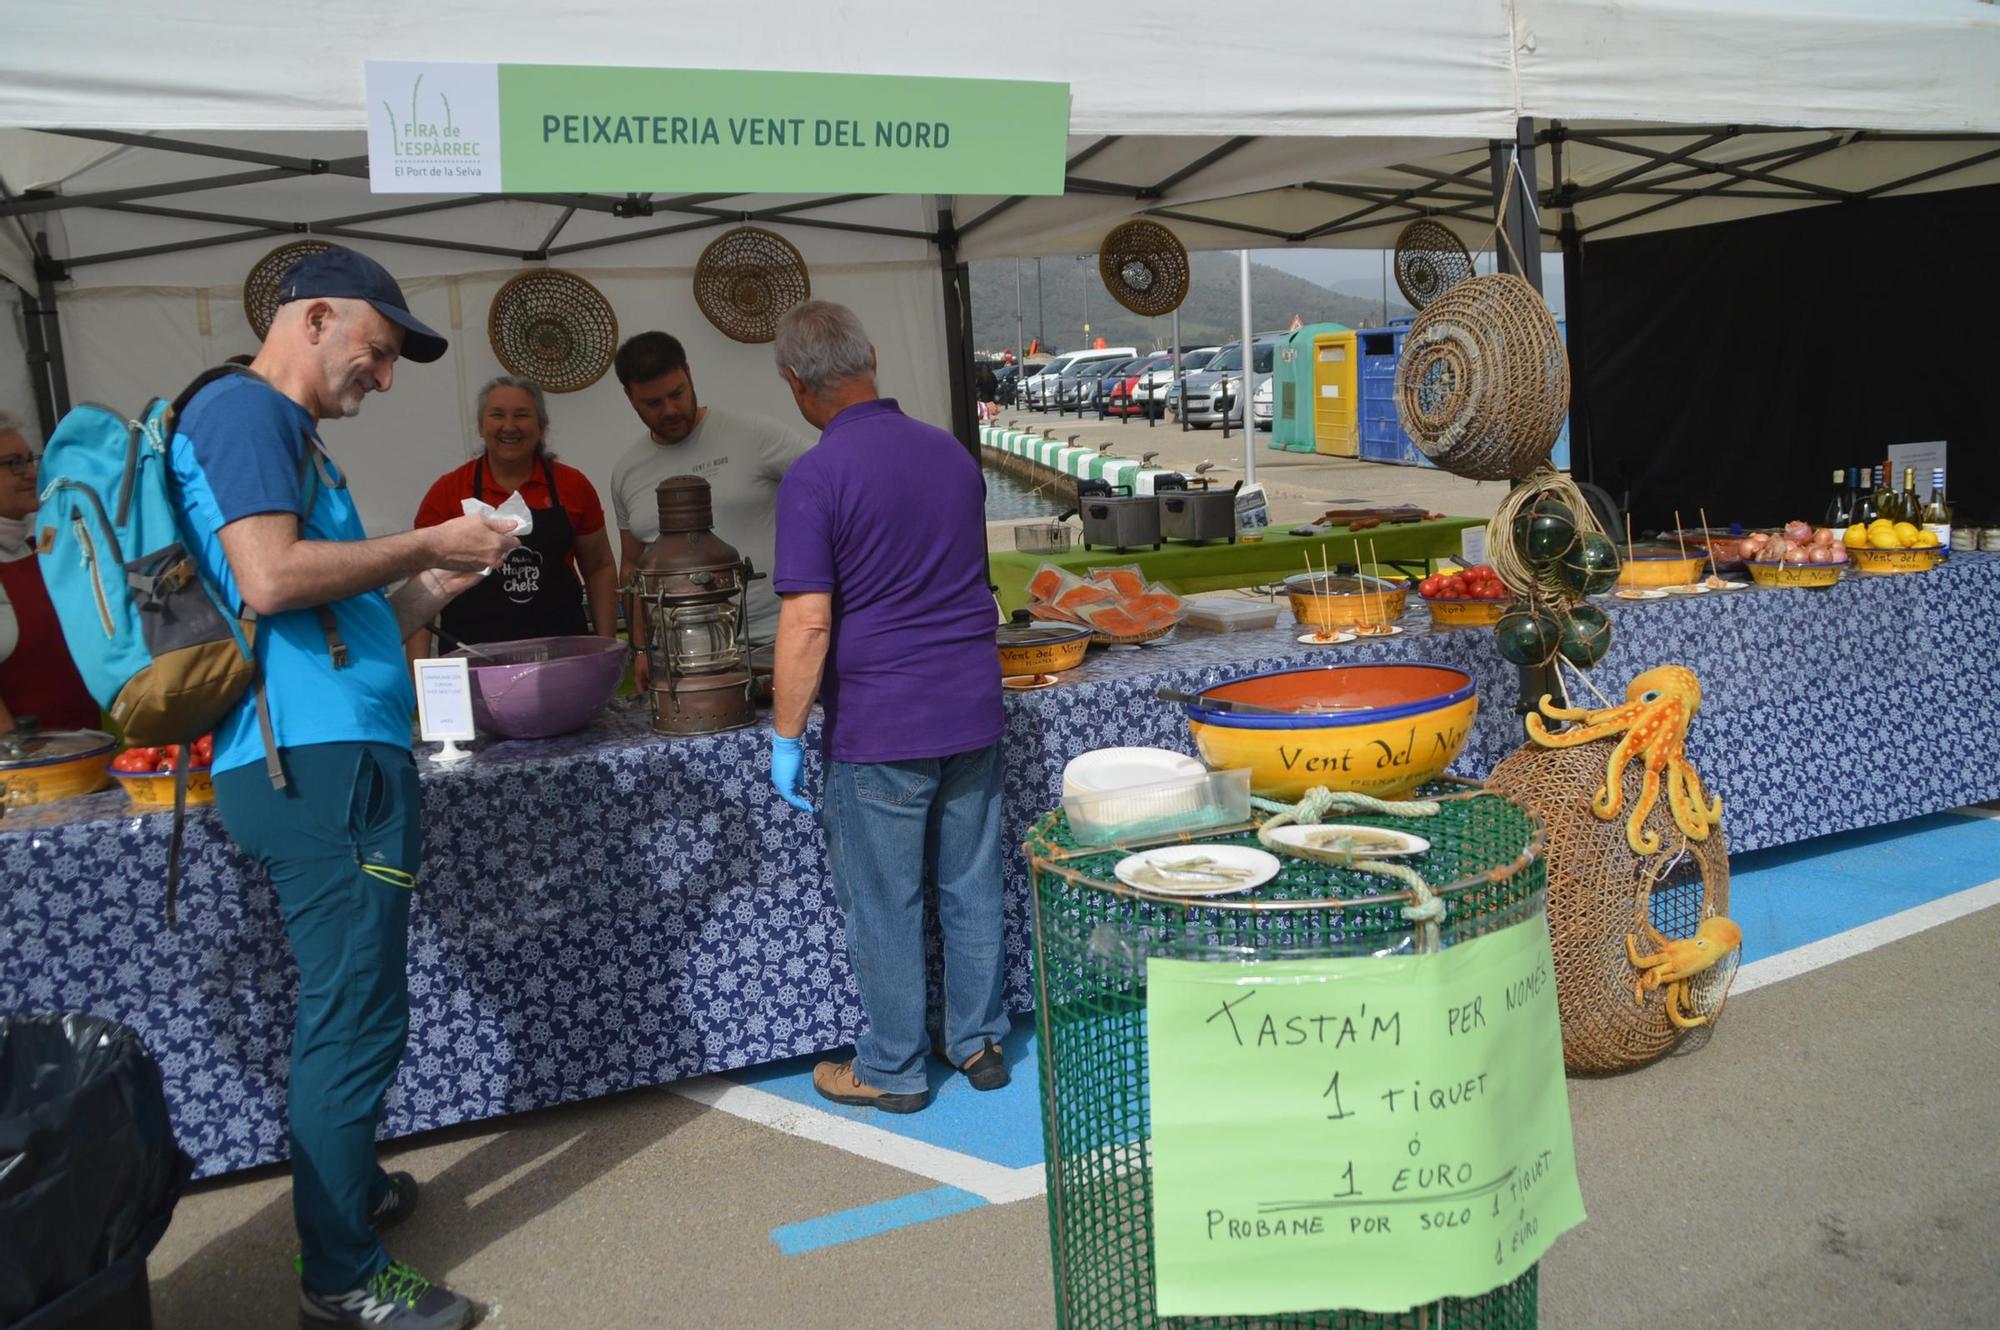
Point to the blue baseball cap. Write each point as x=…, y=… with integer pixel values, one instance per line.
x=345, y=274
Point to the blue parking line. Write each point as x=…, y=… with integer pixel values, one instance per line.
x=865, y=1221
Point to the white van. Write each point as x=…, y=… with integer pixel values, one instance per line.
x=1039, y=393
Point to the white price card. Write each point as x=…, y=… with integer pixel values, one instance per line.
x=444, y=699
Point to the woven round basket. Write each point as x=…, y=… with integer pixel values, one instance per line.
x=1599, y=891
x=1430, y=260
x=554, y=328
x=260, y=288
x=1144, y=267
x=746, y=279
x=1483, y=383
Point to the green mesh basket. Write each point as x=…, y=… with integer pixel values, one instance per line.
x=1093, y=936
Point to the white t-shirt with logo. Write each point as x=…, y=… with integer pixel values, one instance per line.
x=742, y=458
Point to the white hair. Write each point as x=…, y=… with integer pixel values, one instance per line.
x=10, y=425
x=823, y=344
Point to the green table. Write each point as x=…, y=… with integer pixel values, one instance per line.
x=1186, y=569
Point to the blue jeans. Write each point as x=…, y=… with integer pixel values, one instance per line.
x=889, y=826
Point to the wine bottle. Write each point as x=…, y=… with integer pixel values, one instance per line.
x=1864, y=497
x=1913, y=503
x=1840, y=508
x=1937, y=513
x=1888, y=503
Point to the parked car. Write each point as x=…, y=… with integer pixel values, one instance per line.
x=1260, y=405
x=1221, y=377
x=1096, y=379
x=1125, y=395
x=1156, y=384
x=1012, y=377
x=1040, y=385
x=1060, y=392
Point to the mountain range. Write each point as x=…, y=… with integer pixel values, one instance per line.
x=1210, y=314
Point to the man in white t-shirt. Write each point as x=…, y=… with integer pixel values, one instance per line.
x=741, y=457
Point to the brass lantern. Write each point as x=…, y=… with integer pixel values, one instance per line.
x=692, y=590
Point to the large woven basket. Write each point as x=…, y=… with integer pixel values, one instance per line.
x=260, y=288
x=553, y=327
x=1483, y=383
x=746, y=279
x=1144, y=267
x=1599, y=891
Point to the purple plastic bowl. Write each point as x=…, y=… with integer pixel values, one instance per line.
x=542, y=686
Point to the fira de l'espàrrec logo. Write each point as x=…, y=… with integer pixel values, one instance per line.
x=422, y=138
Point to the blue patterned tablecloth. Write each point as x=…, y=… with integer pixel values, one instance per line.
x=614, y=909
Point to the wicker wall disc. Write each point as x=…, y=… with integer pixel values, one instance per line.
x=1430, y=260
x=746, y=279
x=553, y=327
x=1599, y=891
x=1483, y=384
x=1145, y=267
x=260, y=288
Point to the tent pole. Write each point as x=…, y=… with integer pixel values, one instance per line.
x=38, y=360
x=957, y=345
x=46, y=273
x=1246, y=382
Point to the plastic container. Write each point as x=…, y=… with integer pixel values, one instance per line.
x=1168, y=808
x=542, y=686
x=1231, y=614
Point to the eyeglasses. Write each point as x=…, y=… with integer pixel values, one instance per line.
x=21, y=465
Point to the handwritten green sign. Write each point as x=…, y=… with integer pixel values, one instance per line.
x=1369, y=1132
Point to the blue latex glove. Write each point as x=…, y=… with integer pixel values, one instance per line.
x=787, y=755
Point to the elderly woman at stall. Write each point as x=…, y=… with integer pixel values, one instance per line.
x=37, y=676
x=540, y=591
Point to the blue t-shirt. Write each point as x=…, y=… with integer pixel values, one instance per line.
x=236, y=454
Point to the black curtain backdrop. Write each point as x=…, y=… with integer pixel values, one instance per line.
x=1734, y=366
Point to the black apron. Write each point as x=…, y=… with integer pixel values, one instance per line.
x=533, y=593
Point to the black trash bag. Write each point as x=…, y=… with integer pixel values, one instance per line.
x=89, y=1172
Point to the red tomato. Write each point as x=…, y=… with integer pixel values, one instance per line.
x=204, y=750
x=136, y=759
x=1429, y=586
x=169, y=759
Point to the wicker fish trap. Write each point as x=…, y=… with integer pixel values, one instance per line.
x=260, y=288
x=1483, y=384
x=1145, y=267
x=1430, y=260
x=746, y=279
x=553, y=327
x=1600, y=891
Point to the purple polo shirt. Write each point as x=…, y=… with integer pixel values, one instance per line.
x=889, y=515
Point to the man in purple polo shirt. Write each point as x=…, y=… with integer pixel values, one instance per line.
x=885, y=616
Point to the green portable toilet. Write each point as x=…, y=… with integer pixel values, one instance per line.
x=1292, y=392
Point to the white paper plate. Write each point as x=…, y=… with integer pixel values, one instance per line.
x=1122, y=768
x=1292, y=834
x=1641, y=593
x=1393, y=630
x=1688, y=589
x=1311, y=640
x=1263, y=867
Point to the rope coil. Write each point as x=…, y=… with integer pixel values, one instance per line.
x=1427, y=910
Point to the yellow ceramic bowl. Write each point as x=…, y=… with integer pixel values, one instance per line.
x=58, y=765
x=1795, y=574
x=1657, y=568
x=1348, y=601
x=151, y=791
x=1896, y=561
x=1042, y=647
x=1465, y=613
x=1380, y=728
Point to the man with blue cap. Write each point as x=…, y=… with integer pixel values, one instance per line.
x=314, y=778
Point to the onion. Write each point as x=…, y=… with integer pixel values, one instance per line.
x=1836, y=554
x=1823, y=536
x=1819, y=554
x=1797, y=531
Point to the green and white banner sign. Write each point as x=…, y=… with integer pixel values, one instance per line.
x=437, y=127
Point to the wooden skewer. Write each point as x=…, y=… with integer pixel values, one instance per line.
x=1708, y=544
x=1329, y=629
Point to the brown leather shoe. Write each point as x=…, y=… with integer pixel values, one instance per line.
x=837, y=1081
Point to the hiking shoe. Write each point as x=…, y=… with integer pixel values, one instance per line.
x=987, y=1069
x=398, y=1203
x=397, y=1298
x=837, y=1081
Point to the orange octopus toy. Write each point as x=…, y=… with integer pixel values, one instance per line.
x=1653, y=723
x=1679, y=960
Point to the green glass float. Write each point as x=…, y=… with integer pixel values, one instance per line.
x=1546, y=532
x=1591, y=566
x=1527, y=637
x=1585, y=636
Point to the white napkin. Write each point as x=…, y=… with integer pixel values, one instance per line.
x=512, y=506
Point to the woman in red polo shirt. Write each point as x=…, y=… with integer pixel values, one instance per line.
x=37, y=677
x=540, y=590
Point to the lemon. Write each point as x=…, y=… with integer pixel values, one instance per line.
x=1907, y=533
x=1855, y=537
x=1926, y=540
x=1884, y=540
x=1881, y=524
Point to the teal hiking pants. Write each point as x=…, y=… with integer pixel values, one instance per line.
x=341, y=843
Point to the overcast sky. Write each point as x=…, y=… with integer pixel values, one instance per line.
x=1361, y=272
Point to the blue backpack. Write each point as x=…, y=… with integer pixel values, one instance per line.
x=154, y=641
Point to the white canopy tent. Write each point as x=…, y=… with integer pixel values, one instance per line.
x=152, y=153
